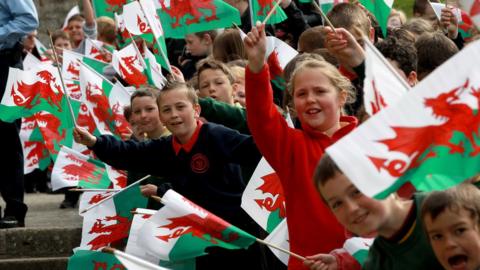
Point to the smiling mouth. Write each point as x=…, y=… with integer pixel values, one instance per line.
x=360, y=218
x=458, y=261
x=313, y=111
x=175, y=123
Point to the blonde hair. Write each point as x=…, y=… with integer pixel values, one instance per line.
x=178, y=86
x=340, y=82
x=238, y=72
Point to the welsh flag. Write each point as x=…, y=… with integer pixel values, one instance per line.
x=261, y=8
x=465, y=23
x=263, y=198
x=105, y=102
x=279, y=238
x=41, y=49
x=472, y=8
x=88, y=199
x=108, y=7
x=109, y=220
x=72, y=169
x=382, y=85
x=135, y=247
x=434, y=144
x=182, y=230
x=381, y=10
x=73, y=11
x=180, y=18
x=358, y=247
x=132, y=262
x=71, y=65
x=154, y=70
x=94, y=48
x=278, y=54
x=129, y=65
x=135, y=21
x=28, y=92
x=35, y=153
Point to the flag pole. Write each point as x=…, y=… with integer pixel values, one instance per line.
x=94, y=189
x=158, y=199
x=319, y=9
x=67, y=96
x=138, y=51
x=280, y=249
x=270, y=13
x=120, y=191
x=386, y=63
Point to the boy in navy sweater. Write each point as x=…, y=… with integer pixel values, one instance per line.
x=201, y=160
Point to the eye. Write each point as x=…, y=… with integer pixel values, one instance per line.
x=436, y=237
x=300, y=94
x=460, y=230
x=356, y=193
x=335, y=205
x=165, y=110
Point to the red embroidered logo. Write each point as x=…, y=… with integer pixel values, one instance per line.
x=199, y=163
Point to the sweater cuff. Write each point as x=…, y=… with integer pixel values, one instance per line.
x=98, y=142
x=259, y=74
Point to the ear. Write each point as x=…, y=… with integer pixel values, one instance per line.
x=197, y=110
x=207, y=39
x=412, y=78
x=372, y=35
x=342, y=98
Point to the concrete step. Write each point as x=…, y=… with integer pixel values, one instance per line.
x=26, y=263
x=38, y=242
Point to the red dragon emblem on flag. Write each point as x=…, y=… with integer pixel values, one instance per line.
x=379, y=102
x=29, y=95
x=101, y=106
x=265, y=7
x=199, y=227
x=109, y=233
x=49, y=126
x=272, y=186
x=80, y=169
x=115, y=5
x=181, y=8
x=459, y=117
x=99, y=197
x=37, y=151
x=121, y=124
x=143, y=26
x=131, y=74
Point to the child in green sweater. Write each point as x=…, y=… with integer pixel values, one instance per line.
x=452, y=219
x=400, y=242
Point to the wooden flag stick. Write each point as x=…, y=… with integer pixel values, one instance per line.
x=270, y=13
x=158, y=199
x=120, y=191
x=319, y=9
x=65, y=92
x=94, y=190
x=281, y=249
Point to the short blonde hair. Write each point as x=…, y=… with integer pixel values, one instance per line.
x=178, y=86
x=340, y=82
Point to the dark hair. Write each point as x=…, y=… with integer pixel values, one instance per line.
x=145, y=91
x=60, y=34
x=76, y=17
x=176, y=85
x=326, y=169
x=127, y=112
x=464, y=196
x=215, y=65
x=211, y=33
x=433, y=49
x=418, y=26
x=404, y=53
x=311, y=39
x=348, y=15
x=228, y=46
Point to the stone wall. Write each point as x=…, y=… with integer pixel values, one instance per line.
x=51, y=14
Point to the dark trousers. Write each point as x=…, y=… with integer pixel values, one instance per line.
x=11, y=168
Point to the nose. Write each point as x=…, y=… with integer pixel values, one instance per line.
x=449, y=242
x=351, y=206
x=211, y=89
x=310, y=97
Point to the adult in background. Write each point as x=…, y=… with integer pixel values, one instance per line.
x=17, y=19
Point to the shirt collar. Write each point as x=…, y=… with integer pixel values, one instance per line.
x=177, y=146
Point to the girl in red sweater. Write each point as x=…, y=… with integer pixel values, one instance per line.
x=319, y=93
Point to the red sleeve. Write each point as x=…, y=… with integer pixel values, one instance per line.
x=345, y=261
x=267, y=125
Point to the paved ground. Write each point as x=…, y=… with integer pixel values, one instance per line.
x=43, y=212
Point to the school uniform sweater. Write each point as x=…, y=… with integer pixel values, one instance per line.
x=205, y=170
x=294, y=154
x=411, y=249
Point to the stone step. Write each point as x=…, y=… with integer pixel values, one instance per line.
x=38, y=242
x=26, y=263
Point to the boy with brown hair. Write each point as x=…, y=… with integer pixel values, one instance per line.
x=397, y=223
x=452, y=219
x=201, y=161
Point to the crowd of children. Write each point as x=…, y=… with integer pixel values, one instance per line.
x=204, y=132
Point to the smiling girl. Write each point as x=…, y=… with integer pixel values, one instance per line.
x=319, y=94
